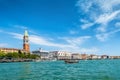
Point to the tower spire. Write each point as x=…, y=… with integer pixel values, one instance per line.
x=26, y=33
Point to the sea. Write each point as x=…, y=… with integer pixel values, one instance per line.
x=59, y=70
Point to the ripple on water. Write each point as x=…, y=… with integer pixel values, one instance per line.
x=58, y=70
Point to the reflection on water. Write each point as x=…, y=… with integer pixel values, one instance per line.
x=25, y=69
x=58, y=70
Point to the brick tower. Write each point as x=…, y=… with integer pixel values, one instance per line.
x=26, y=42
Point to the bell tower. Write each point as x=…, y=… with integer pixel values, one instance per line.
x=26, y=42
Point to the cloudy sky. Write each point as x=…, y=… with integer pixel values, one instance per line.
x=85, y=26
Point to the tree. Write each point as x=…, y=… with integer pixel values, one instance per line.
x=17, y=55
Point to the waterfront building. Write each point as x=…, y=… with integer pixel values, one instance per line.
x=25, y=46
x=99, y=57
x=61, y=55
x=43, y=54
x=84, y=56
x=76, y=56
x=114, y=57
x=11, y=50
x=93, y=56
x=104, y=57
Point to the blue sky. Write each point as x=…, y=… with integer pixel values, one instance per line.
x=84, y=26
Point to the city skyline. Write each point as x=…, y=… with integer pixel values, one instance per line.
x=69, y=25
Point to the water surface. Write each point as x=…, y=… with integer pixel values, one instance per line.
x=58, y=70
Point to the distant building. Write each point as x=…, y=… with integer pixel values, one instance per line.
x=84, y=56
x=60, y=55
x=93, y=56
x=76, y=56
x=11, y=50
x=99, y=57
x=25, y=46
x=114, y=57
x=43, y=54
x=104, y=57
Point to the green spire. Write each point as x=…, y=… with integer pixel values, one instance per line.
x=26, y=33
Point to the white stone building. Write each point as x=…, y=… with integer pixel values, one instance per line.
x=60, y=55
x=43, y=54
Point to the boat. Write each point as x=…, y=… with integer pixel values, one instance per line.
x=71, y=61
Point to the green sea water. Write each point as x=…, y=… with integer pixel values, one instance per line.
x=58, y=70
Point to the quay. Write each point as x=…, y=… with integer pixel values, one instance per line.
x=15, y=60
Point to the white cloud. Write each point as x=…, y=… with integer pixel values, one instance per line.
x=3, y=44
x=117, y=25
x=108, y=5
x=114, y=31
x=87, y=25
x=103, y=19
x=84, y=6
x=104, y=5
x=84, y=21
x=73, y=32
x=72, y=44
x=92, y=50
x=104, y=36
x=107, y=17
x=103, y=28
x=99, y=13
x=16, y=35
x=20, y=27
x=38, y=40
x=76, y=43
x=77, y=40
x=43, y=41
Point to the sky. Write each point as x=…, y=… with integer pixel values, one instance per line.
x=78, y=26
